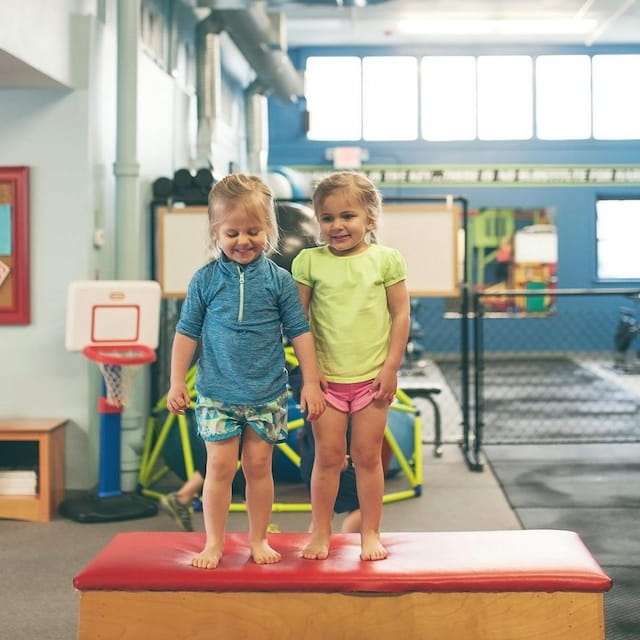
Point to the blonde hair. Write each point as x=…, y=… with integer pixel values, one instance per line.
x=255, y=197
x=357, y=188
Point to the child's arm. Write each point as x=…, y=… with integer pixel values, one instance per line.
x=311, y=397
x=386, y=382
x=181, y=356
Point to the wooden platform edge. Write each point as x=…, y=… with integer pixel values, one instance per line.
x=110, y=615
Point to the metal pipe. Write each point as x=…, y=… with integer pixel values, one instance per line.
x=209, y=86
x=252, y=32
x=464, y=337
x=527, y=293
x=129, y=264
x=129, y=223
x=478, y=379
x=257, y=132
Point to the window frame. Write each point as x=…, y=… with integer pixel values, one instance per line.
x=533, y=137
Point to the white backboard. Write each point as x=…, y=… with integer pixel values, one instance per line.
x=112, y=312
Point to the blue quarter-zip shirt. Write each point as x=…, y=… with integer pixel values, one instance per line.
x=240, y=313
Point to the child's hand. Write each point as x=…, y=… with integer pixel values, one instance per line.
x=385, y=385
x=312, y=401
x=178, y=399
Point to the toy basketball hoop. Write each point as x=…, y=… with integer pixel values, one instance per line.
x=119, y=365
x=114, y=323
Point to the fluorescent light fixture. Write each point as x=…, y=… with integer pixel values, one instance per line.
x=496, y=27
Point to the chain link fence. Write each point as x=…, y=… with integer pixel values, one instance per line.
x=523, y=378
x=550, y=394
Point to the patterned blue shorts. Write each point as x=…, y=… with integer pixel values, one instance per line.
x=217, y=420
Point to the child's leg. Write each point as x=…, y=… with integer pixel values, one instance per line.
x=330, y=435
x=190, y=489
x=352, y=522
x=256, y=462
x=367, y=433
x=222, y=462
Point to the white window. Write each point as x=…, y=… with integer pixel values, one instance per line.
x=448, y=97
x=616, y=97
x=563, y=97
x=334, y=98
x=390, y=98
x=617, y=234
x=505, y=97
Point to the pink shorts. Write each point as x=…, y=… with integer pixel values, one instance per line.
x=349, y=397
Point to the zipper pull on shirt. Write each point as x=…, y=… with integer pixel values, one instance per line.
x=241, y=296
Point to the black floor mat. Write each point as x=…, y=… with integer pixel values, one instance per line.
x=591, y=489
x=550, y=400
x=622, y=610
x=610, y=534
x=551, y=484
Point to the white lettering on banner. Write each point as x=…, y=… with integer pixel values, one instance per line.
x=507, y=175
x=601, y=175
x=413, y=176
x=627, y=175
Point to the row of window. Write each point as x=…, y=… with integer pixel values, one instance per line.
x=448, y=98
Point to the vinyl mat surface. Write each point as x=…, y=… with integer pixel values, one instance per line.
x=593, y=489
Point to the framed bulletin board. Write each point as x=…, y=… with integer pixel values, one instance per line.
x=14, y=245
x=182, y=235
x=427, y=236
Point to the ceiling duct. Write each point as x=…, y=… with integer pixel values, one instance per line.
x=209, y=86
x=259, y=37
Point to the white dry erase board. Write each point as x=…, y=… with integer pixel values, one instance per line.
x=182, y=236
x=427, y=236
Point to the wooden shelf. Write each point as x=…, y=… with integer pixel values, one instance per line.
x=49, y=436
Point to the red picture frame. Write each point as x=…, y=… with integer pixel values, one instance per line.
x=14, y=246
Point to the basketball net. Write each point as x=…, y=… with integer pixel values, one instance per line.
x=119, y=365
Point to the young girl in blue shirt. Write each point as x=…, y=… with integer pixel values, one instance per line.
x=239, y=306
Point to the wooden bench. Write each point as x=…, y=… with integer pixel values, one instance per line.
x=455, y=586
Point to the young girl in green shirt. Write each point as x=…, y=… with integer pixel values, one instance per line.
x=355, y=295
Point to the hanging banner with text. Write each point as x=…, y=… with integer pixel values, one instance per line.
x=511, y=176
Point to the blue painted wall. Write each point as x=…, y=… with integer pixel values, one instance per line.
x=584, y=323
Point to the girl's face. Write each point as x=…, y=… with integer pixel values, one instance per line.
x=343, y=224
x=240, y=236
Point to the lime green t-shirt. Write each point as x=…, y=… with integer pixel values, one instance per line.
x=348, y=313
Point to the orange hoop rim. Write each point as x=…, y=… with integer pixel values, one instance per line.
x=113, y=354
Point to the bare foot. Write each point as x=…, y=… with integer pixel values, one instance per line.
x=262, y=553
x=208, y=558
x=372, y=548
x=317, y=548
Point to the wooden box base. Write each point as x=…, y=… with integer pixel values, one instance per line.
x=107, y=615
